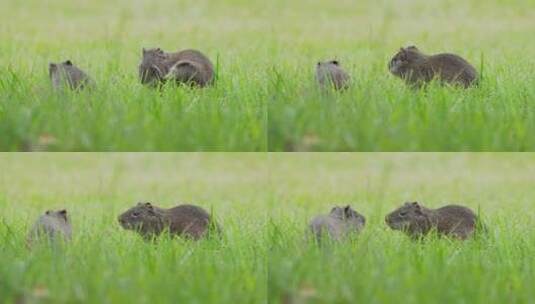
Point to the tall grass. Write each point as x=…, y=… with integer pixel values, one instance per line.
x=381, y=266
x=264, y=204
x=385, y=266
x=265, y=97
x=108, y=265
x=105, y=263
x=106, y=40
x=379, y=112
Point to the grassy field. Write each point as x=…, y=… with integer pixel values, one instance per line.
x=264, y=203
x=384, y=266
x=379, y=113
x=265, y=97
x=106, y=264
x=106, y=39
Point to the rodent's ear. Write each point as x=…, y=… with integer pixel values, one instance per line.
x=47, y=212
x=319, y=63
x=63, y=213
x=412, y=47
x=347, y=211
x=68, y=62
x=417, y=207
x=149, y=207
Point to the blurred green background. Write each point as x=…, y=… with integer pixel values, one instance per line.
x=264, y=203
x=107, y=264
x=266, y=97
x=385, y=266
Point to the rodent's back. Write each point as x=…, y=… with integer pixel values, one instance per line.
x=188, y=219
x=454, y=219
x=193, y=55
x=190, y=65
x=325, y=225
x=454, y=212
x=452, y=68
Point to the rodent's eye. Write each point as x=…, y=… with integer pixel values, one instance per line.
x=135, y=214
x=402, y=214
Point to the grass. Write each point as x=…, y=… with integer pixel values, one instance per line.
x=106, y=264
x=385, y=266
x=264, y=203
x=265, y=98
x=379, y=112
x=121, y=115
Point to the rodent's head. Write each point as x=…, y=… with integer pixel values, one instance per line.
x=150, y=71
x=55, y=67
x=404, y=59
x=60, y=215
x=327, y=64
x=406, y=216
x=143, y=217
x=348, y=214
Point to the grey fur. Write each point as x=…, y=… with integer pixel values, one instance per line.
x=51, y=226
x=338, y=224
x=67, y=75
x=329, y=74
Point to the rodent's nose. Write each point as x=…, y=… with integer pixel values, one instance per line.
x=387, y=219
x=120, y=219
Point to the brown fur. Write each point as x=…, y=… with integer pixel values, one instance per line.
x=188, y=66
x=184, y=220
x=416, y=220
x=417, y=68
x=66, y=74
x=338, y=224
x=330, y=74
